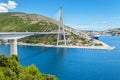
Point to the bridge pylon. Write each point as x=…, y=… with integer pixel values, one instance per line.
x=13, y=47
x=61, y=39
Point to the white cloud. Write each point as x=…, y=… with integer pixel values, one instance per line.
x=11, y=5
x=3, y=4
x=93, y=27
x=86, y=27
x=4, y=7
x=83, y=27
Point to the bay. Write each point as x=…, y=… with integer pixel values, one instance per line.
x=73, y=63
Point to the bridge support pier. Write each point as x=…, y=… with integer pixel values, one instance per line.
x=13, y=46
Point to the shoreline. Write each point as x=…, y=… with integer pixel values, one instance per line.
x=104, y=47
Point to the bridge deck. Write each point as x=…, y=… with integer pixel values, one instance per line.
x=18, y=35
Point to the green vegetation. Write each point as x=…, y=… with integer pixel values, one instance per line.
x=77, y=40
x=99, y=44
x=10, y=69
x=43, y=39
x=22, y=22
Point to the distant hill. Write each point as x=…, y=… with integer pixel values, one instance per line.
x=21, y=22
x=113, y=32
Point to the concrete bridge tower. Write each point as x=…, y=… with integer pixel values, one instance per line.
x=13, y=47
x=61, y=29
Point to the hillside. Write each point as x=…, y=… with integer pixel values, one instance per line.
x=22, y=22
x=113, y=32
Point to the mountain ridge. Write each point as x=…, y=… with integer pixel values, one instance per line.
x=19, y=21
x=113, y=32
x=22, y=22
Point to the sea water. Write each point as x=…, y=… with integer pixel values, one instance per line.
x=73, y=63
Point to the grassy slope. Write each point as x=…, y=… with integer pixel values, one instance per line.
x=22, y=22
x=12, y=22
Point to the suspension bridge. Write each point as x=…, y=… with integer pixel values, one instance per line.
x=14, y=36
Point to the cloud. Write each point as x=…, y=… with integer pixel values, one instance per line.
x=83, y=27
x=4, y=7
x=11, y=5
x=93, y=27
x=3, y=4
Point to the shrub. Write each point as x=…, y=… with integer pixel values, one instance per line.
x=10, y=69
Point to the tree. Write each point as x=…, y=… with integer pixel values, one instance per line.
x=10, y=69
x=3, y=61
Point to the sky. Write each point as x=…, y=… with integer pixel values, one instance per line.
x=80, y=14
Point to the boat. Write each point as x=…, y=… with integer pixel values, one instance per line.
x=95, y=37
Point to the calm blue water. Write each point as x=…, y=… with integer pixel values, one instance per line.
x=73, y=64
